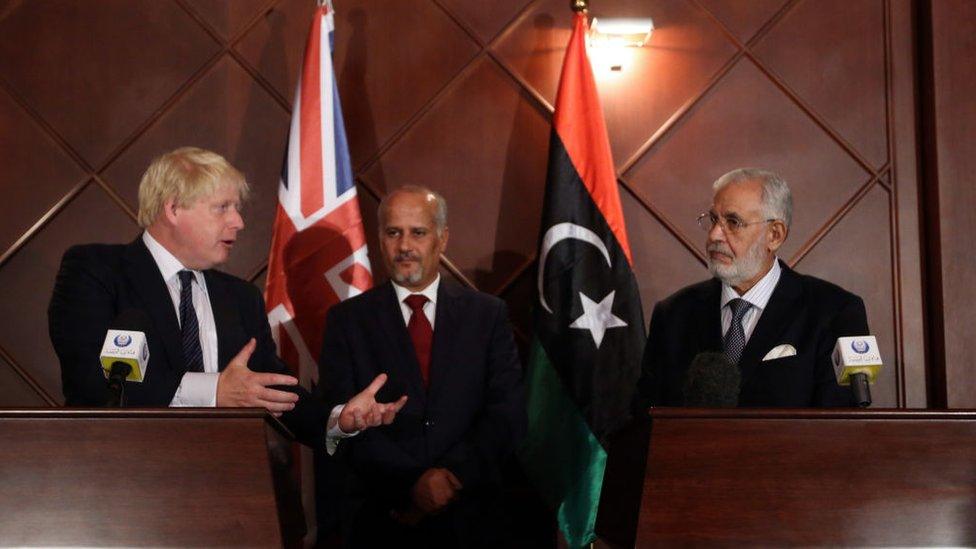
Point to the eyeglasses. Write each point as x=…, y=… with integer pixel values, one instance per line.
x=731, y=224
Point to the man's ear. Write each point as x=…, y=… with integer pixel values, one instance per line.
x=777, y=234
x=169, y=211
x=444, y=234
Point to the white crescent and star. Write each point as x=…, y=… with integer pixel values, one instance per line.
x=596, y=317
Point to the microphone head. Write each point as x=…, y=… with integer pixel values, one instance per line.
x=712, y=382
x=126, y=343
x=856, y=355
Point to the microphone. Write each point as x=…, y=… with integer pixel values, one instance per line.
x=125, y=354
x=712, y=382
x=857, y=361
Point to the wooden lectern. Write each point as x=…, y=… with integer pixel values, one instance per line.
x=793, y=477
x=98, y=477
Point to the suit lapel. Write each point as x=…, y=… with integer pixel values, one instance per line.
x=709, y=308
x=145, y=278
x=773, y=322
x=445, y=330
x=389, y=317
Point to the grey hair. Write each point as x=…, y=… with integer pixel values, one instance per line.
x=440, y=210
x=777, y=200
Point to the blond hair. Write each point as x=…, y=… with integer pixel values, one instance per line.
x=184, y=175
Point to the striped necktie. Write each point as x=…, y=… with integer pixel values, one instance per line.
x=189, y=328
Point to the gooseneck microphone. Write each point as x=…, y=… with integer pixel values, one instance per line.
x=712, y=382
x=857, y=361
x=125, y=354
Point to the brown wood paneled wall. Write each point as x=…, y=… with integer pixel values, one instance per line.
x=949, y=160
x=457, y=95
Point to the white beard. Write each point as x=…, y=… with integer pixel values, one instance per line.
x=742, y=268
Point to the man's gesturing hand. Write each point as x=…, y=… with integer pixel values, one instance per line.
x=239, y=387
x=362, y=411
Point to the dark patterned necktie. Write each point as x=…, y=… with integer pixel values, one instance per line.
x=735, y=338
x=189, y=329
x=421, y=333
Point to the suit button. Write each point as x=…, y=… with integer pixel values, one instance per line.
x=428, y=423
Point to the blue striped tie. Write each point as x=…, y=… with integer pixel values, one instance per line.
x=735, y=338
x=192, y=352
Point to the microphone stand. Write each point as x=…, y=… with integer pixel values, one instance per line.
x=861, y=390
x=116, y=384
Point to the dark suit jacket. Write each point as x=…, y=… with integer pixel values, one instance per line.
x=470, y=418
x=98, y=281
x=803, y=311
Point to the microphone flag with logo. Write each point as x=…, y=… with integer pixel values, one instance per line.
x=318, y=246
x=589, y=327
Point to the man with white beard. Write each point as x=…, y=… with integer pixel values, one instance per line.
x=777, y=326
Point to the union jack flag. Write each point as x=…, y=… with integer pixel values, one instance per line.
x=318, y=248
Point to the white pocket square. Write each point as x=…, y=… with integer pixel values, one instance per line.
x=780, y=351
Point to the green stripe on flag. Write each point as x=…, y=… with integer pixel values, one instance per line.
x=560, y=454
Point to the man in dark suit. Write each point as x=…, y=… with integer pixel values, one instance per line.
x=778, y=326
x=208, y=335
x=431, y=478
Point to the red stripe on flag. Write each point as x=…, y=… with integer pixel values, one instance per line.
x=311, y=120
x=578, y=119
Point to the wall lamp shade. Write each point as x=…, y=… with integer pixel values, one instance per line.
x=620, y=31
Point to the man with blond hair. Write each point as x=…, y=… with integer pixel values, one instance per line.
x=208, y=335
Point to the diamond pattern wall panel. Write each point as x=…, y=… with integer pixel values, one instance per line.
x=241, y=122
x=827, y=49
x=96, y=70
x=16, y=392
x=684, y=53
x=747, y=121
x=123, y=81
x=227, y=18
x=36, y=172
x=856, y=256
x=27, y=279
x=457, y=148
x=274, y=46
x=391, y=60
x=743, y=19
x=485, y=18
x=663, y=262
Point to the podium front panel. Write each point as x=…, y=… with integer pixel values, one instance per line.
x=166, y=477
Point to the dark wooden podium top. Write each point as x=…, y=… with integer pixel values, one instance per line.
x=160, y=477
x=805, y=477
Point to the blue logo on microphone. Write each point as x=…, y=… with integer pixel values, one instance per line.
x=122, y=340
x=860, y=346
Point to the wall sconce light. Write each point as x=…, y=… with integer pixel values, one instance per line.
x=613, y=41
x=621, y=32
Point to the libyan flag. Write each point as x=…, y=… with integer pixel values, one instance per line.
x=589, y=328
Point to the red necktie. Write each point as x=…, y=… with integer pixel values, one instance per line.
x=421, y=333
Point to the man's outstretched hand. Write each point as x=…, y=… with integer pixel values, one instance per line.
x=362, y=411
x=240, y=387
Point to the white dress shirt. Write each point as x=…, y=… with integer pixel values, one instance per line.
x=758, y=296
x=196, y=388
x=430, y=308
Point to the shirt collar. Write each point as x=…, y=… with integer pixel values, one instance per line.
x=430, y=291
x=757, y=296
x=166, y=261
